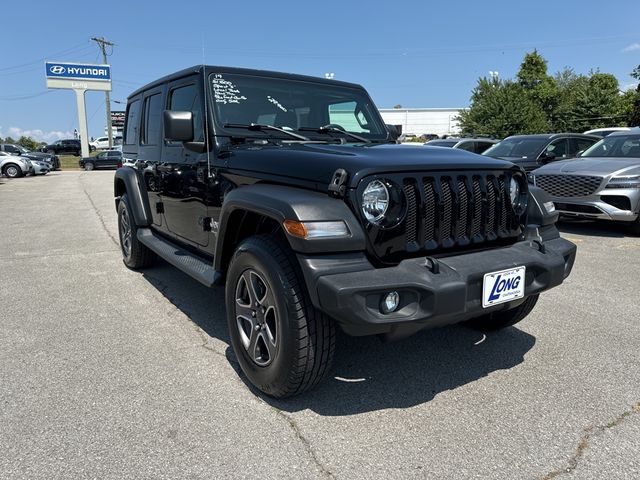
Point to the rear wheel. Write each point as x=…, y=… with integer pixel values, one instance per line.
x=12, y=171
x=504, y=319
x=134, y=254
x=283, y=344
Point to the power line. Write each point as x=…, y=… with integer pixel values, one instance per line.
x=67, y=51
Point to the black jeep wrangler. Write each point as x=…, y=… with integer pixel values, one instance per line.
x=291, y=192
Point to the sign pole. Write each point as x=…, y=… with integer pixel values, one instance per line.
x=82, y=121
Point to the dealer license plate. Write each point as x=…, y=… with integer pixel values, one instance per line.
x=503, y=286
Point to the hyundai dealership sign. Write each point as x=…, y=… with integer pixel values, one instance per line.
x=79, y=77
x=78, y=70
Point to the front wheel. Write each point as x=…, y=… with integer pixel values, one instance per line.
x=634, y=228
x=283, y=344
x=135, y=255
x=504, y=319
x=88, y=166
x=13, y=171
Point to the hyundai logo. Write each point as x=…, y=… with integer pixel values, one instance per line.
x=57, y=69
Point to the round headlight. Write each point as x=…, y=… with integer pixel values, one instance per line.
x=375, y=201
x=514, y=191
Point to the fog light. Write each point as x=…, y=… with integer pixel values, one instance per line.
x=390, y=302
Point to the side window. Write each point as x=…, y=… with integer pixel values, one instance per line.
x=187, y=99
x=468, y=146
x=582, y=144
x=348, y=116
x=482, y=146
x=559, y=148
x=133, y=121
x=152, y=120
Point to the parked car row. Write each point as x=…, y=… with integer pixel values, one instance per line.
x=14, y=166
x=51, y=159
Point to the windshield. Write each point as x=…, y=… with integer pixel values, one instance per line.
x=292, y=105
x=521, y=147
x=625, y=146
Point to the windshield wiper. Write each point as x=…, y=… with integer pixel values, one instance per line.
x=331, y=129
x=259, y=127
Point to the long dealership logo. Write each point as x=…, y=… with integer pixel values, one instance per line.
x=75, y=70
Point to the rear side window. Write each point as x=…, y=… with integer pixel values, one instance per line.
x=133, y=121
x=187, y=99
x=152, y=114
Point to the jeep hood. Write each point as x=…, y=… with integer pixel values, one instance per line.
x=592, y=166
x=316, y=162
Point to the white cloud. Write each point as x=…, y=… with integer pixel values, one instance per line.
x=631, y=48
x=629, y=86
x=36, y=134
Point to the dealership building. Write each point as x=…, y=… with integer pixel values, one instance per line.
x=420, y=121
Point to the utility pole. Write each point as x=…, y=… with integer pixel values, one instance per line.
x=103, y=44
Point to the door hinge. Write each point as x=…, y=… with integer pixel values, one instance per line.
x=159, y=207
x=338, y=185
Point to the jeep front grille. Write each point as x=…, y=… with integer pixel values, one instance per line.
x=568, y=185
x=446, y=211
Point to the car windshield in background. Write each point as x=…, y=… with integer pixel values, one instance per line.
x=292, y=105
x=442, y=143
x=621, y=146
x=517, y=147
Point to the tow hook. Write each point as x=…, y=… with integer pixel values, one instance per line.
x=432, y=265
x=540, y=245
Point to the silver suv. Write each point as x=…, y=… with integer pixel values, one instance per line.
x=603, y=182
x=13, y=166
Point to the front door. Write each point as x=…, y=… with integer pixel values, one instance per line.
x=184, y=173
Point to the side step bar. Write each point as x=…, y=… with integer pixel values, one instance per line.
x=186, y=261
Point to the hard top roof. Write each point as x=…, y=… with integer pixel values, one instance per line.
x=243, y=71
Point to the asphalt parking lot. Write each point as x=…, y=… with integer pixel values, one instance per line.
x=110, y=373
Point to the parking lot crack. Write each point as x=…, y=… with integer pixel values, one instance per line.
x=97, y=212
x=293, y=425
x=589, y=434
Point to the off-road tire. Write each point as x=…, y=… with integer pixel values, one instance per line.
x=506, y=318
x=305, y=337
x=136, y=255
x=12, y=170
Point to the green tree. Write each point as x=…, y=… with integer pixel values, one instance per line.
x=28, y=143
x=634, y=115
x=502, y=108
x=539, y=86
x=9, y=140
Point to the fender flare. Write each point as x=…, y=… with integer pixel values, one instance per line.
x=536, y=212
x=288, y=203
x=137, y=194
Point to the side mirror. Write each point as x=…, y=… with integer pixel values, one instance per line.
x=178, y=126
x=393, y=132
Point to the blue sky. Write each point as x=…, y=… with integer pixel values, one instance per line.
x=413, y=53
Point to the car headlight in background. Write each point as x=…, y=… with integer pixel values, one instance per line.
x=628, y=181
x=375, y=201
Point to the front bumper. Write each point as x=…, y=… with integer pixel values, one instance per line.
x=349, y=289
x=595, y=206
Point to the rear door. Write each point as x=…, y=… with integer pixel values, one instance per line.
x=185, y=173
